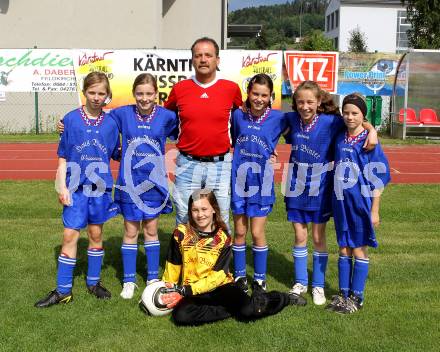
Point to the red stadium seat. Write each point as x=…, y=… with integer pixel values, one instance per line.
x=428, y=117
x=411, y=118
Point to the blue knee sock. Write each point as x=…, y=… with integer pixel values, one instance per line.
x=360, y=274
x=320, y=260
x=300, y=265
x=94, y=264
x=345, y=266
x=129, y=254
x=260, y=261
x=239, y=252
x=152, y=252
x=65, y=274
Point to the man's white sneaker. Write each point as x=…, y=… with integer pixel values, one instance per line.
x=128, y=290
x=318, y=296
x=298, y=289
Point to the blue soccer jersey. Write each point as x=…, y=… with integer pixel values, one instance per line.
x=254, y=141
x=88, y=145
x=309, y=177
x=142, y=172
x=357, y=174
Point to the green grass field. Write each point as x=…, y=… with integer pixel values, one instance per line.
x=401, y=312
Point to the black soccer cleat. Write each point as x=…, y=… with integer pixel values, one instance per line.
x=296, y=300
x=336, y=302
x=54, y=297
x=351, y=305
x=242, y=283
x=259, y=286
x=99, y=291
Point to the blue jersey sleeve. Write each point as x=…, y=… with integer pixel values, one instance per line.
x=377, y=171
x=116, y=115
x=172, y=126
x=62, y=145
x=285, y=129
x=116, y=153
x=290, y=118
x=338, y=125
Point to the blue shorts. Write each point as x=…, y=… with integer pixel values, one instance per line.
x=131, y=212
x=250, y=209
x=86, y=210
x=306, y=216
x=356, y=239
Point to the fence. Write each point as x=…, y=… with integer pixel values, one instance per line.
x=34, y=112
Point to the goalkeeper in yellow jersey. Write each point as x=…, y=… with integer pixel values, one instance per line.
x=201, y=288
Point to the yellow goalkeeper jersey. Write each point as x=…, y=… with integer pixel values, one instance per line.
x=198, y=262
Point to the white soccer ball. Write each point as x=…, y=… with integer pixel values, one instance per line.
x=151, y=300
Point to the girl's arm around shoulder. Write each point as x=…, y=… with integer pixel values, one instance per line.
x=372, y=139
x=117, y=114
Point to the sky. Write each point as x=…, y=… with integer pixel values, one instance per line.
x=239, y=4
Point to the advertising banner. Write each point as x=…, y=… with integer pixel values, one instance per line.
x=171, y=66
x=122, y=67
x=318, y=66
x=367, y=73
x=241, y=65
x=36, y=70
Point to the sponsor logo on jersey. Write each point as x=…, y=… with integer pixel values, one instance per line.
x=204, y=96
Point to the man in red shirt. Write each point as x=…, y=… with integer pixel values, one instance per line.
x=204, y=105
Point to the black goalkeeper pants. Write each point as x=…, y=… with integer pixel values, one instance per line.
x=227, y=301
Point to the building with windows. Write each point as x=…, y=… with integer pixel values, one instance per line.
x=100, y=24
x=383, y=24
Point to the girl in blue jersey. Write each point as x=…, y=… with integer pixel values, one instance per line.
x=141, y=187
x=84, y=185
x=314, y=125
x=255, y=134
x=358, y=183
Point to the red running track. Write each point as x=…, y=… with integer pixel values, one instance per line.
x=37, y=161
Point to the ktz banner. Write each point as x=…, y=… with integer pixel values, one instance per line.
x=36, y=70
x=367, y=73
x=321, y=67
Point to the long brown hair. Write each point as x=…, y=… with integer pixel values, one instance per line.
x=210, y=196
x=327, y=106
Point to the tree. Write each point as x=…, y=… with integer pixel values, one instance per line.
x=357, y=42
x=424, y=17
x=316, y=41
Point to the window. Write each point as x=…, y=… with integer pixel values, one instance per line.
x=333, y=20
x=337, y=18
x=401, y=31
x=328, y=23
